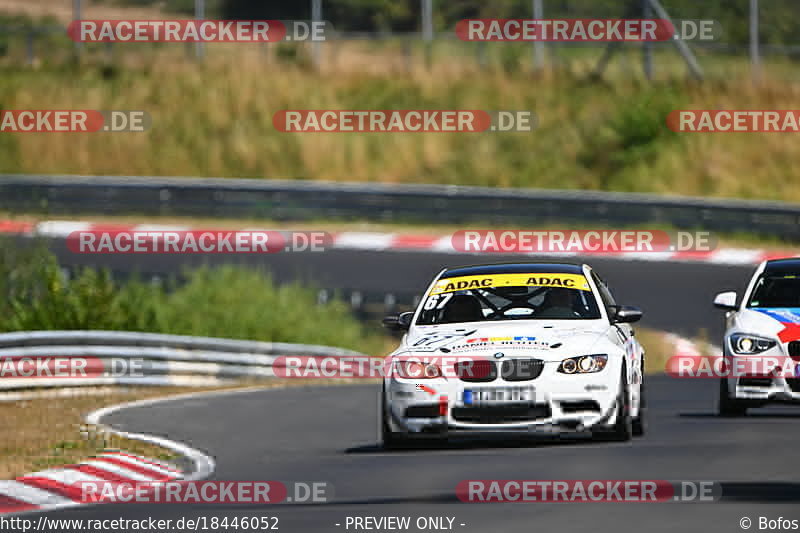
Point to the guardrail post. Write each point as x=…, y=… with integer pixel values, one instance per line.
x=76, y=15
x=647, y=46
x=755, y=54
x=316, y=51
x=356, y=300
x=199, y=14
x=427, y=30
x=482, y=48
x=538, y=46
x=29, y=51
x=389, y=303
x=322, y=297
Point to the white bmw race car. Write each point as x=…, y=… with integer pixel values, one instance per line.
x=514, y=348
x=762, y=339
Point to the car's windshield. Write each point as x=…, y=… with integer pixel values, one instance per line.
x=509, y=297
x=776, y=292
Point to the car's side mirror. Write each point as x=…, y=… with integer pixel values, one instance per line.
x=726, y=301
x=627, y=314
x=399, y=322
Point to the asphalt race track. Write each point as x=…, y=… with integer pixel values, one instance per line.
x=330, y=433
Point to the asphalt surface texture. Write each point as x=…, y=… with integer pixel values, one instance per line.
x=330, y=434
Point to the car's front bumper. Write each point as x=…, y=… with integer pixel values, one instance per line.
x=765, y=389
x=560, y=403
x=764, y=378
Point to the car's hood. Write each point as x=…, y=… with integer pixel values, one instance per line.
x=551, y=340
x=767, y=322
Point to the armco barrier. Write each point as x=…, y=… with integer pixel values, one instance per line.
x=298, y=200
x=161, y=359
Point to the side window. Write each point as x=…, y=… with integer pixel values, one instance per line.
x=605, y=294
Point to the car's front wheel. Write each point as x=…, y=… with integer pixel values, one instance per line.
x=392, y=440
x=622, y=429
x=640, y=422
x=729, y=406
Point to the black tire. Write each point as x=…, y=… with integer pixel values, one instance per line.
x=728, y=406
x=392, y=440
x=640, y=422
x=622, y=430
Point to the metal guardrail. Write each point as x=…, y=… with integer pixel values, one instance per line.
x=182, y=342
x=305, y=200
x=161, y=359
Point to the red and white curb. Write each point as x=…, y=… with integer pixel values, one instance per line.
x=376, y=241
x=60, y=487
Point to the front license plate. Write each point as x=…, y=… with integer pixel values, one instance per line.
x=499, y=395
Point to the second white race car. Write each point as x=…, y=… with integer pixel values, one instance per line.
x=762, y=339
x=515, y=348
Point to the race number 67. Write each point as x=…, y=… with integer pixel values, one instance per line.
x=437, y=301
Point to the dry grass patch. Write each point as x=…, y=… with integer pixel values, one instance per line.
x=47, y=432
x=215, y=119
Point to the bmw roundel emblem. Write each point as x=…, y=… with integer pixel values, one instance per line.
x=499, y=355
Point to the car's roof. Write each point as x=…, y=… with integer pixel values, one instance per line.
x=514, y=268
x=782, y=267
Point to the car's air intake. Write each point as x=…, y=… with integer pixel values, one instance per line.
x=476, y=371
x=521, y=369
x=794, y=349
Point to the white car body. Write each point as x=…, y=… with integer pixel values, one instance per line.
x=556, y=402
x=764, y=376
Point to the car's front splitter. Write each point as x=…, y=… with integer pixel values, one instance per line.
x=557, y=409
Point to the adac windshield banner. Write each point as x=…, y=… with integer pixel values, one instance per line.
x=567, y=281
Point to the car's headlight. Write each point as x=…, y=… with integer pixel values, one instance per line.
x=417, y=370
x=583, y=364
x=743, y=344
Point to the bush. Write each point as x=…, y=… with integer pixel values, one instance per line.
x=231, y=302
x=635, y=133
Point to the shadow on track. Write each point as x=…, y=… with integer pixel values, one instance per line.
x=755, y=415
x=760, y=492
x=475, y=443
